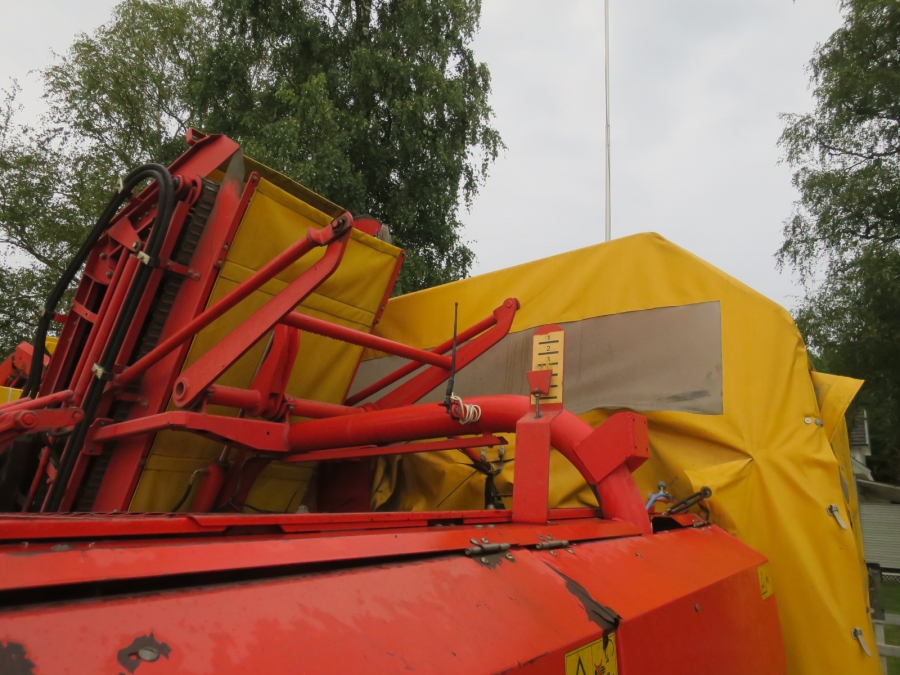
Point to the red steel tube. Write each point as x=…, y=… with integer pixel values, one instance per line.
x=115, y=294
x=205, y=499
x=40, y=402
x=319, y=410
x=265, y=273
x=618, y=493
x=403, y=371
x=251, y=400
x=356, y=337
x=246, y=399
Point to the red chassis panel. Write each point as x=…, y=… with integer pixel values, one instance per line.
x=688, y=601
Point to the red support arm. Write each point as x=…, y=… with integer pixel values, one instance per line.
x=356, y=337
x=203, y=372
x=264, y=274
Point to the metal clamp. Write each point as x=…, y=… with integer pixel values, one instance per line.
x=101, y=373
x=834, y=511
x=859, y=636
x=146, y=259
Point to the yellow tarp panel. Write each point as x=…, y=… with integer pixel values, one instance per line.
x=274, y=220
x=768, y=459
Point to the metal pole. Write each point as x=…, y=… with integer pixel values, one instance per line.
x=606, y=64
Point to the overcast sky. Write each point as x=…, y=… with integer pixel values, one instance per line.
x=696, y=89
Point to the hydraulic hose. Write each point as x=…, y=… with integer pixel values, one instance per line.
x=165, y=208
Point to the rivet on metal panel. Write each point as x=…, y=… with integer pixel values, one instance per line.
x=697, y=607
x=541, y=537
x=484, y=540
x=639, y=555
x=819, y=423
x=484, y=560
x=570, y=550
x=509, y=556
x=109, y=275
x=552, y=552
x=479, y=527
x=807, y=420
x=474, y=541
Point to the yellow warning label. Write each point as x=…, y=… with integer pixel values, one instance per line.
x=597, y=658
x=547, y=353
x=765, y=580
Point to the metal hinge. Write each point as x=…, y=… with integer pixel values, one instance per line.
x=554, y=543
x=858, y=635
x=483, y=548
x=833, y=510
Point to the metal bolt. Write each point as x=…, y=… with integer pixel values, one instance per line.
x=479, y=527
x=552, y=552
x=549, y=538
x=570, y=550
x=135, y=245
x=102, y=256
x=474, y=541
x=639, y=555
x=697, y=607
x=807, y=420
x=509, y=556
x=148, y=654
x=484, y=560
x=219, y=261
x=195, y=276
x=484, y=540
x=226, y=246
x=109, y=275
x=541, y=537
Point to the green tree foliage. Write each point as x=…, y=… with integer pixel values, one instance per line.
x=378, y=105
x=845, y=230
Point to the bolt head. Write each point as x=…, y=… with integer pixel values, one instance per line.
x=148, y=654
x=484, y=540
x=109, y=275
x=484, y=560
x=509, y=556
x=552, y=552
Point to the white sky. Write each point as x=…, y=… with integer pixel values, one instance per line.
x=696, y=89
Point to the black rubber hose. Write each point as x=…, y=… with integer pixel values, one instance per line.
x=166, y=205
x=32, y=384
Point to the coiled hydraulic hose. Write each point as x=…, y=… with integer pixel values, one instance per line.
x=166, y=204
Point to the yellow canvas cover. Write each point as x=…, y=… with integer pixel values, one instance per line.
x=278, y=215
x=775, y=453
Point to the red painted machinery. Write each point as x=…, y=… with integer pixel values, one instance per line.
x=88, y=585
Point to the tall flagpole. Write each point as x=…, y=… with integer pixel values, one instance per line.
x=606, y=63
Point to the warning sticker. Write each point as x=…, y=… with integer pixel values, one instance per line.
x=765, y=580
x=597, y=658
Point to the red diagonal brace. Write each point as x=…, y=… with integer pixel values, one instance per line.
x=207, y=369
